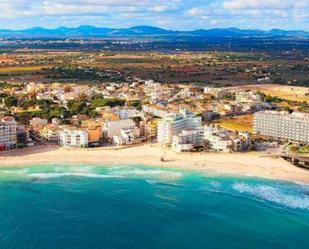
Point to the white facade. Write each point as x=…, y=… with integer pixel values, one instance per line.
x=31, y=87
x=241, y=142
x=38, y=122
x=217, y=92
x=217, y=138
x=8, y=133
x=73, y=138
x=188, y=140
x=219, y=143
x=167, y=127
x=282, y=125
x=113, y=128
x=126, y=113
x=156, y=111
x=248, y=97
x=127, y=136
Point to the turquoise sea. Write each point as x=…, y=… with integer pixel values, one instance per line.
x=136, y=207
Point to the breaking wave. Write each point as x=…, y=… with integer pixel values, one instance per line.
x=274, y=194
x=90, y=172
x=147, y=173
x=66, y=174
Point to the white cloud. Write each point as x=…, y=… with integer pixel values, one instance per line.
x=22, y=8
x=194, y=11
x=160, y=8
x=175, y=14
x=258, y=4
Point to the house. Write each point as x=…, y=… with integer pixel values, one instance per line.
x=51, y=133
x=218, y=93
x=113, y=128
x=73, y=137
x=94, y=129
x=127, y=136
x=241, y=142
x=38, y=122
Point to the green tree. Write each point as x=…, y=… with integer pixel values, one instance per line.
x=10, y=101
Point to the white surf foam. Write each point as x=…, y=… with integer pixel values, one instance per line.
x=274, y=194
x=147, y=172
x=215, y=184
x=66, y=174
x=15, y=172
x=58, y=171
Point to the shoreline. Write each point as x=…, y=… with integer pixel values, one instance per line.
x=252, y=164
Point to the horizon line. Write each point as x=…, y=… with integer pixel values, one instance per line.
x=167, y=29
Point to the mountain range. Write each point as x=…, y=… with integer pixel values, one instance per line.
x=146, y=32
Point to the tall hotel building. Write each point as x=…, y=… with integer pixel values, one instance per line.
x=173, y=125
x=8, y=133
x=282, y=125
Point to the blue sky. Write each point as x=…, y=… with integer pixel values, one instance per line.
x=172, y=14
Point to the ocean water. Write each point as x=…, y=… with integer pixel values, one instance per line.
x=135, y=207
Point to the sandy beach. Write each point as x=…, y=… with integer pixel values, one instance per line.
x=240, y=164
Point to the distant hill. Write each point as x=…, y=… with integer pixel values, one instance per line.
x=146, y=32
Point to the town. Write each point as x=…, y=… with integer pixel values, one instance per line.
x=154, y=124
x=185, y=118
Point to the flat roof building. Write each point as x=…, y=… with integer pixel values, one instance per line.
x=282, y=125
x=8, y=133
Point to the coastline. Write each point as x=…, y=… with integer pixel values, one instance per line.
x=251, y=164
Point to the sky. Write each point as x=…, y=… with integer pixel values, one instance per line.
x=169, y=14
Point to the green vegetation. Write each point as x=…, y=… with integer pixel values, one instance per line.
x=21, y=69
x=270, y=99
x=229, y=96
x=100, y=101
x=81, y=106
x=11, y=101
x=304, y=107
x=86, y=73
x=137, y=104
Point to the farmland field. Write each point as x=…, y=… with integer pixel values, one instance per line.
x=21, y=69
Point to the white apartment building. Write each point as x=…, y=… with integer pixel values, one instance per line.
x=248, y=97
x=217, y=92
x=38, y=122
x=126, y=136
x=167, y=127
x=156, y=111
x=282, y=125
x=219, y=142
x=8, y=133
x=113, y=128
x=73, y=137
x=187, y=140
x=217, y=139
x=125, y=113
x=241, y=142
x=31, y=87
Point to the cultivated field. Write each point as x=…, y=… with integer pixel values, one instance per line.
x=292, y=93
x=21, y=69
